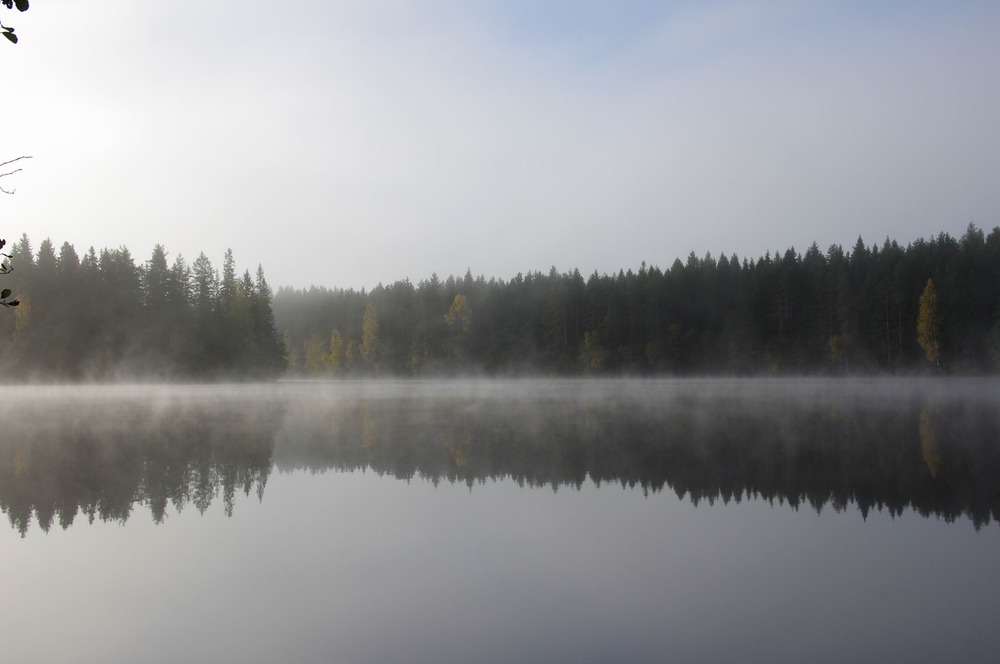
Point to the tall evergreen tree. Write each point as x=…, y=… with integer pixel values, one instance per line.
x=227, y=288
x=270, y=350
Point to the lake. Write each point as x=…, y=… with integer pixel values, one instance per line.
x=502, y=521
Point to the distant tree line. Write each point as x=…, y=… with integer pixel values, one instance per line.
x=931, y=305
x=103, y=316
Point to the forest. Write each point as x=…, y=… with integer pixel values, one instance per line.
x=931, y=306
x=103, y=317
x=843, y=311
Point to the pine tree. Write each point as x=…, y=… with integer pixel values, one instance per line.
x=206, y=283
x=154, y=280
x=269, y=347
x=227, y=289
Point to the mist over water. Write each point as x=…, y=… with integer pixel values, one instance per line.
x=539, y=520
x=869, y=444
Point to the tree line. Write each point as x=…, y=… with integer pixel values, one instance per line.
x=931, y=305
x=103, y=316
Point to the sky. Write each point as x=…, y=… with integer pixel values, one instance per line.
x=346, y=144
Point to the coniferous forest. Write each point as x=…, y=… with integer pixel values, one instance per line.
x=104, y=317
x=930, y=306
x=842, y=311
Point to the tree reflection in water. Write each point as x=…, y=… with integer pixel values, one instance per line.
x=885, y=445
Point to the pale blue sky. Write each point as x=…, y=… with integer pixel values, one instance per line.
x=348, y=143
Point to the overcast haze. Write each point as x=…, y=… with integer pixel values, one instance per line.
x=350, y=143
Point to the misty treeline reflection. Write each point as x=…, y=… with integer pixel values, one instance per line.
x=818, y=444
x=101, y=455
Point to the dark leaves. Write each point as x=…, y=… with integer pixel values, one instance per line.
x=22, y=5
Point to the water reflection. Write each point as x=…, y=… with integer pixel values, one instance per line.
x=100, y=453
x=885, y=445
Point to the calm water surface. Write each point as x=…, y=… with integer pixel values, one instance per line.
x=511, y=521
